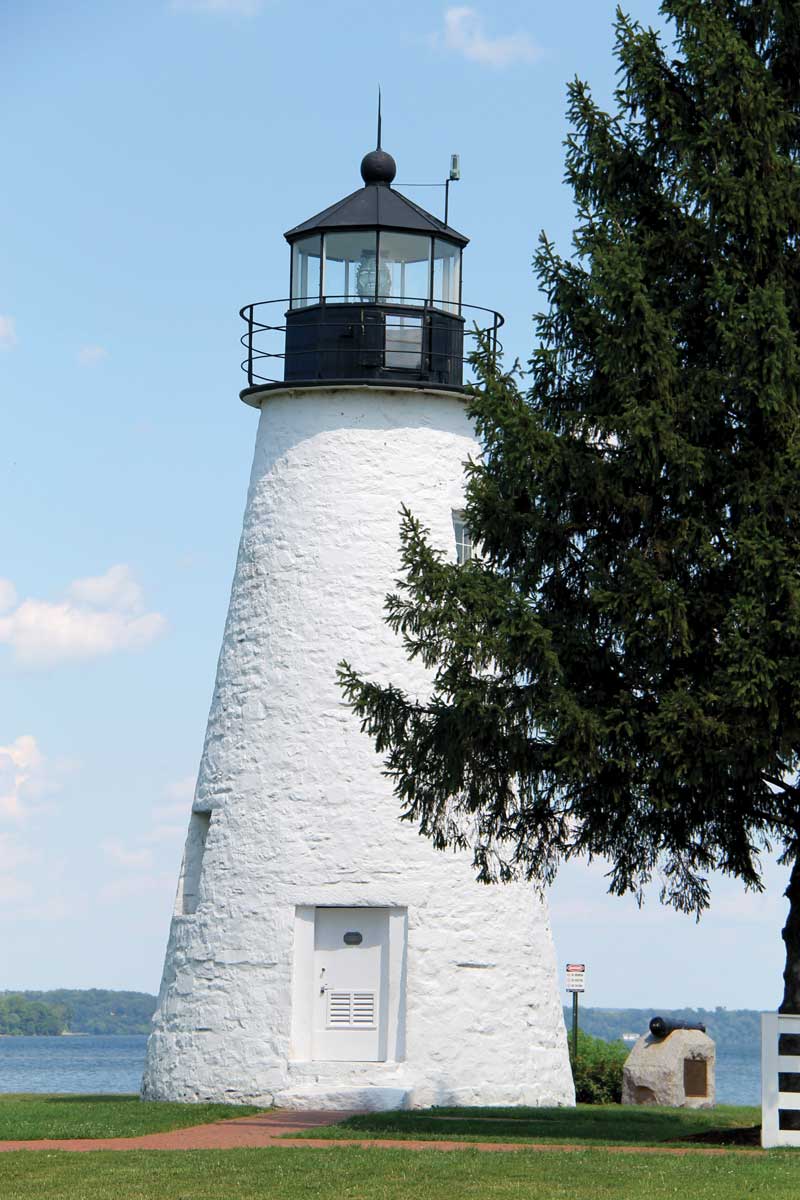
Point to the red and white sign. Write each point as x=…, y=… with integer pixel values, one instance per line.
x=576, y=977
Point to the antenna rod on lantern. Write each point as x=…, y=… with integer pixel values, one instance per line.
x=379, y=118
x=453, y=177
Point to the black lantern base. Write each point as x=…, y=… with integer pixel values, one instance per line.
x=374, y=342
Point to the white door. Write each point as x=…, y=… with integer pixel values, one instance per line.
x=350, y=983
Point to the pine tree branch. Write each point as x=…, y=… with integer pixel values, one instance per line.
x=788, y=788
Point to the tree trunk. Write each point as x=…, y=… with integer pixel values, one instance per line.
x=791, y=937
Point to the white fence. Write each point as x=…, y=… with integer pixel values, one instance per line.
x=773, y=1101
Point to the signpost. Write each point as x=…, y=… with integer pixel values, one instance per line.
x=576, y=982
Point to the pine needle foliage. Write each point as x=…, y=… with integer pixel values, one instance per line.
x=618, y=673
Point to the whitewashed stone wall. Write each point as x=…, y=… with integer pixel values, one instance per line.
x=300, y=813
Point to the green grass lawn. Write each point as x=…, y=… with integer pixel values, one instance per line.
x=589, y=1124
x=27, y=1116
x=354, y=1174
x=35, y=1116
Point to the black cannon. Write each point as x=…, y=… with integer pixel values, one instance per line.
x=661, y=1028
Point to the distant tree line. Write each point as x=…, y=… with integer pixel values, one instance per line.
x=734, y=1029
x=103, y=1011
x=19, y=1015
x=93, y=1010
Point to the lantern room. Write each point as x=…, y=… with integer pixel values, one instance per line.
x=374, y=298
x=375, y=291
x=376, y=247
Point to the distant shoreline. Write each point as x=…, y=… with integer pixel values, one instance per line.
x=105, y=1012
x=76, y=1012
x=731, y=1029
x=71, y=1034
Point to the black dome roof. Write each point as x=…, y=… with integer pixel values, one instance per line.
x=376, y=206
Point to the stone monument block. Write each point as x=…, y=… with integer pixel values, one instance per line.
x=676, y=1071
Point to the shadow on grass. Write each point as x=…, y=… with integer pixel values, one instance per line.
x=609, y=1124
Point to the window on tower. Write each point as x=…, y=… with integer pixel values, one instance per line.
x=464, y=547
x=192, y=868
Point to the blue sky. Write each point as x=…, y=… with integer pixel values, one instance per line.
x=153, y=156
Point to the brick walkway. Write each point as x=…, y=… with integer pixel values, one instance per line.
x=263, y=1129
x=275, y=1129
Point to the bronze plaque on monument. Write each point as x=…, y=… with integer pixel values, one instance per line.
x=695, y=1077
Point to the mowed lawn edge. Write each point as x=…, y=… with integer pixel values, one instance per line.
x=34, y=1116
x=346, y=1172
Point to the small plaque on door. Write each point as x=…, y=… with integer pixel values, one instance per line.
x=353, y=939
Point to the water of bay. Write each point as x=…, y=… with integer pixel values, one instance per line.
x=114, y=1064
x=71, y=1064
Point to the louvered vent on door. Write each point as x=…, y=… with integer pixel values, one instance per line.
x=351, y=1010
x=364, y=1009
x=339, y=1009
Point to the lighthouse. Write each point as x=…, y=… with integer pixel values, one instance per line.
x=322, y=954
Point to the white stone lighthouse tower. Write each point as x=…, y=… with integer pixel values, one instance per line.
x=322, y=953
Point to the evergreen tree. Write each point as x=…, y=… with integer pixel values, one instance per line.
x=618, y=673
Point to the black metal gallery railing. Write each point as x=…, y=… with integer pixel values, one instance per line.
x=413, y=341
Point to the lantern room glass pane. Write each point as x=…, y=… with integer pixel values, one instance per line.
x=405, y=268
x=306, y=274
x=447, y=276
x=350, y=259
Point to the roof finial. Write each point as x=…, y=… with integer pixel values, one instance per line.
x=378, y=166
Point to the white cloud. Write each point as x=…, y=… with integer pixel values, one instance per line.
x=22, y=775
x=90, y=356
x=26, y=776
x=656, y=956
x=181, y=791
x=22, y=883
x=13, y=855
x=169, y=820
x=160, y=838
x=26, y=877
x=148, y=860
x=99, y=616
x=135, y=887
x=464, y=34
x=8, y=595
x=239, y=8
x=141, y=859
x=167, y=834
x=52, y=908
x=117, y=589
x=8, y=333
